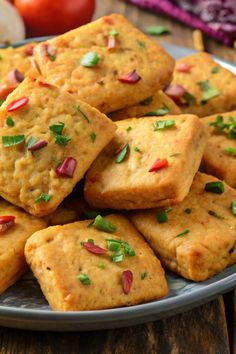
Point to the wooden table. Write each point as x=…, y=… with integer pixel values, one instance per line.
x=209, y=329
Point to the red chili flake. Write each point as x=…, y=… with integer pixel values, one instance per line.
x=44, y=84
x=183, y=67
x=131, y=78
x=39, y=145
x=6, y=222
x=15, y=77
x=111, y=44
x=29, y=50
x=176, y=92
x=5, y=90
x=17, y=104
x=127, y=279
x=93, y=248
x=158, y=164
x=67, y=167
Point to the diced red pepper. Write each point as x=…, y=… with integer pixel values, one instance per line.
x=183, y=67
x=17, y=104
x=176, y=92
x=44, y=84
x=158, y=164
x=29, y=49
x=6, y=222
x=67, y=167
x=127, y=279
x=93, y=248
x=131, y=78
x=111, y=44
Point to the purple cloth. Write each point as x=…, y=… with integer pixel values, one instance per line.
x=216, y=18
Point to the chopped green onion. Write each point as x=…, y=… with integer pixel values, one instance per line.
x=230, y=126
x=113, y=33
x=214, y=187
x=156, y=30
x=158, y=112
x=93, y=136
x=113, y=245
x=62, y=140
x=233, y=207
x=209, y=92
x=101, y=265
x=144, y=275
x=102, y=224
x=129, y=129
x=230, y=150
x=84, y=279
x=43, y=198
x=30, y=142
x=89, y=60
x=189, y=98
x=90, y=240
x=147, y=101
x=182, y=233
x=8, y=141
x=82, y=114
x=163, y=124
x=118, y=257
x=213, y=213
x=10, y=121
x=215, y=70
x=161, y=216
x=120, y=157
x=136, y=149
x=120, y=249
x=57, y=129
x=141, y=44
x=188, y=210
x=175, y=154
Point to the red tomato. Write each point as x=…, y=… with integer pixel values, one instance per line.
x=46, y=17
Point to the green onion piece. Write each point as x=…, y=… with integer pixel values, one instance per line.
x=90, y=240
x=129, y=129
x=215, y=187
x=215, y=70
x=10, y=121
x=175, y=154
x=89, y=60
x=57, y=129
x=189, y=98
x=82, y=114
x=43, y=198
x=141, y=44
x=30, y=142
x=209, y=92
x=233, y=207
x=156, y=30
x=161, y=216
x=230, y=150
x=101, y=265
x=91, y=214
x=230, y=126
x=118, y=257
x=113, y=33
x=213, y=213
x=120, y=246
x=163, y=124
x=182, y=233
x=102, y=224
x=93, y=136
x=8, y=141
x=144, y=275
x=188, y=210
x=128, y=249
x=158, y=112
x=84, y=279
x=62, y=140
x=120, y=157
x=136, y=149
x=113, y=245
x=147, y=101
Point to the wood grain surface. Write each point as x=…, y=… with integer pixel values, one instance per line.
x=203, y=330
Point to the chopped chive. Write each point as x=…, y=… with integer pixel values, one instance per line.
x=129, y=129
x=158, y=112
x=113, y=33
x=230, y=150
x=89, y=60
x=147, y=101
x=43, y=198
x=118, y=257
x=120, y=249
x=82, y=114
x=10, y=121
x=90, y=240
x=91, y=214
x=189, y=98
x=215, y=70
x=213, y=213
x=188, y=210
x=121, y=156
x=163, y=124
x=182, y=233
x=209, y=92
x=233, y=207
x=101, y=265
x=113, y=245
x=156, y=30
x=8, y=141
x=30, y=142
x=57, y=129
x=62, y=140
x=174, y=154
x=84, y=279
x=136, y=149
x=141, y=44
x=93, y=136
x=143, y=275
x=214, y=187
x=161, y=216
x=102, y=224
x=230, y=126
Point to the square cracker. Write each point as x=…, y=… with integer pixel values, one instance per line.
x=209, y=246
x=99, y=85
x=25, y=175
x=129, y=184
x=12, y=243
x=215, y=160
x=201, y=65
x=56, y=257
x=152, y=103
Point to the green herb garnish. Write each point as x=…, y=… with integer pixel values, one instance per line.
x=161, y=216
x=136, y=149
x=229, y=127
x=113, y=33
x=158, y=112
x=89, y=60
x=8, y=141
x=188, y=210
x=118, y=257
x=101, y=265
x=213, y=213
x=230, y=150
x=10, y=121
x=120, y=157
x=233, y=207
x=156, y=30
x=143, y=275
x=84, y=279
x=215, y=70
x=93, y=136
x=147, y=101
x=141, y=44
x=57, y=129
x=129, y=129
x=62, y=140
x=43, y=198
x=163, y=124
x=82, y=114
x=30, y=142
x=209, y=92
x=214, y=187
x=102, y=224
x=182, y=233
x=189, y=98
x=174, y=154
x=119, y=249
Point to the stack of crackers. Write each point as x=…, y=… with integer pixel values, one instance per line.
x=116, y=163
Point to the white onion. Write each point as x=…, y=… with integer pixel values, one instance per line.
x=12, y=27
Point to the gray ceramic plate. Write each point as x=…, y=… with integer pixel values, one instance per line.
x=23, y=305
